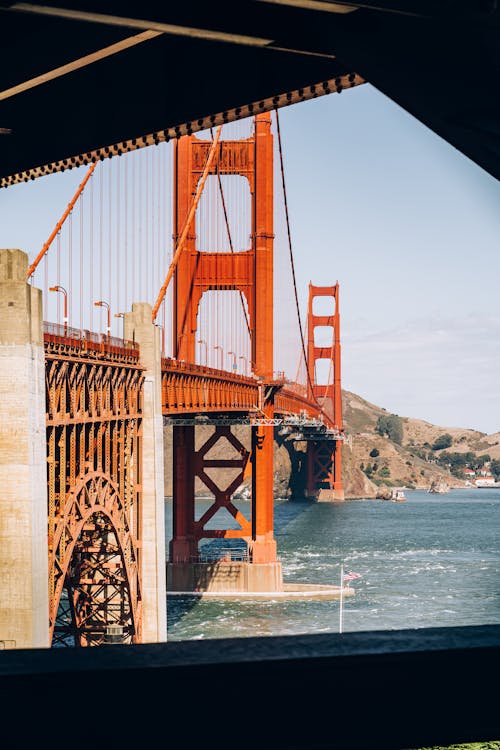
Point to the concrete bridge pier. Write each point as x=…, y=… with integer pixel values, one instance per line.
x=24, y=597
x=138, y=327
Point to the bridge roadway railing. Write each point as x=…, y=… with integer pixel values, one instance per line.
x=188, y=388
x=64, y=340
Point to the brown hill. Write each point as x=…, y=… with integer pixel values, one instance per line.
x=413, y=463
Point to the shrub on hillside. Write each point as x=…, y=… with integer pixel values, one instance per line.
x=443, y=441
x=392, y=426
x=495, y=468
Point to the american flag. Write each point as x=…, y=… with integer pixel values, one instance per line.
x=350, y=576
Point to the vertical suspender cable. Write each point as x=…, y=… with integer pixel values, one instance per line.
x=91, y=257
x=126, y=238
x=110, y=236
x=153, y=223
x=161, y=230
x=99, y=249
x=118, y=265
x=139, y=250
x=147, y=222
x=46, y=285
x=82, y=272
x=70, y=270
x=291, y=258
x=134, y=249
x=58, y=275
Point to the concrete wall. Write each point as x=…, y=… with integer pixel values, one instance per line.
x=232, y=576
x=24, y=604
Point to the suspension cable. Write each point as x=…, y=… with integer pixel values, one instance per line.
x=293, y=264
x=61, y=221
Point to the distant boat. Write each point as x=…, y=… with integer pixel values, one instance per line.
x=438, y=487
x=397, y=496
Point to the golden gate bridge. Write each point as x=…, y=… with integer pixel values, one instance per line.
x=198, y=324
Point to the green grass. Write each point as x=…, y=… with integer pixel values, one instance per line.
x=491, y=745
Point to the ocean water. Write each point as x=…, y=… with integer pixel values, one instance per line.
x=432, y=561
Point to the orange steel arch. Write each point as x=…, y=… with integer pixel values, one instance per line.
x=95, y=560
x=251, y=273
x=94, y=476
x=325, y=458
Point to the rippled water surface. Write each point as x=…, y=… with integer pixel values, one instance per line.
x=431, y=561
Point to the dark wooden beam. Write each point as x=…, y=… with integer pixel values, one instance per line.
x=440, y=64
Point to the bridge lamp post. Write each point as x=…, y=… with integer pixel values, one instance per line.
x=221, y=356
x=120, y=315
x=202, y=341
x=63, y=291
x=246, y=363
x=233, y=355
x=159, y=325
x=102, y=303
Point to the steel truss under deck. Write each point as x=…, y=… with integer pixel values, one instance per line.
x=305, y=427
x=94, y=430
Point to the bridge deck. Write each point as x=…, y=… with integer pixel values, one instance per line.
x=189, y=389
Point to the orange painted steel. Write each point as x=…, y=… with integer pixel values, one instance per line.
x=250, y=272
x=247, y=271
x=195, y=389
x=292, y=399
x=187, y=465
x=94, y=388
x=189, y=388
x=324, y=458
x=94, y=434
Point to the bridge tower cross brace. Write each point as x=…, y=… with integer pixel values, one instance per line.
x=324, y=458
x=250, y=272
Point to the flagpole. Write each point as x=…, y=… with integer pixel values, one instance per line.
x=341, y=594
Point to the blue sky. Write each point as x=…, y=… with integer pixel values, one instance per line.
x=411, y=229
x=408, y=226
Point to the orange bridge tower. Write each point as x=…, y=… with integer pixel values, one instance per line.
x=250, y=272
x=324, y=457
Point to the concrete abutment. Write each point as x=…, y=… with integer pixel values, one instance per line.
x=222, y=576
x=138, y=326
x=24, y=598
